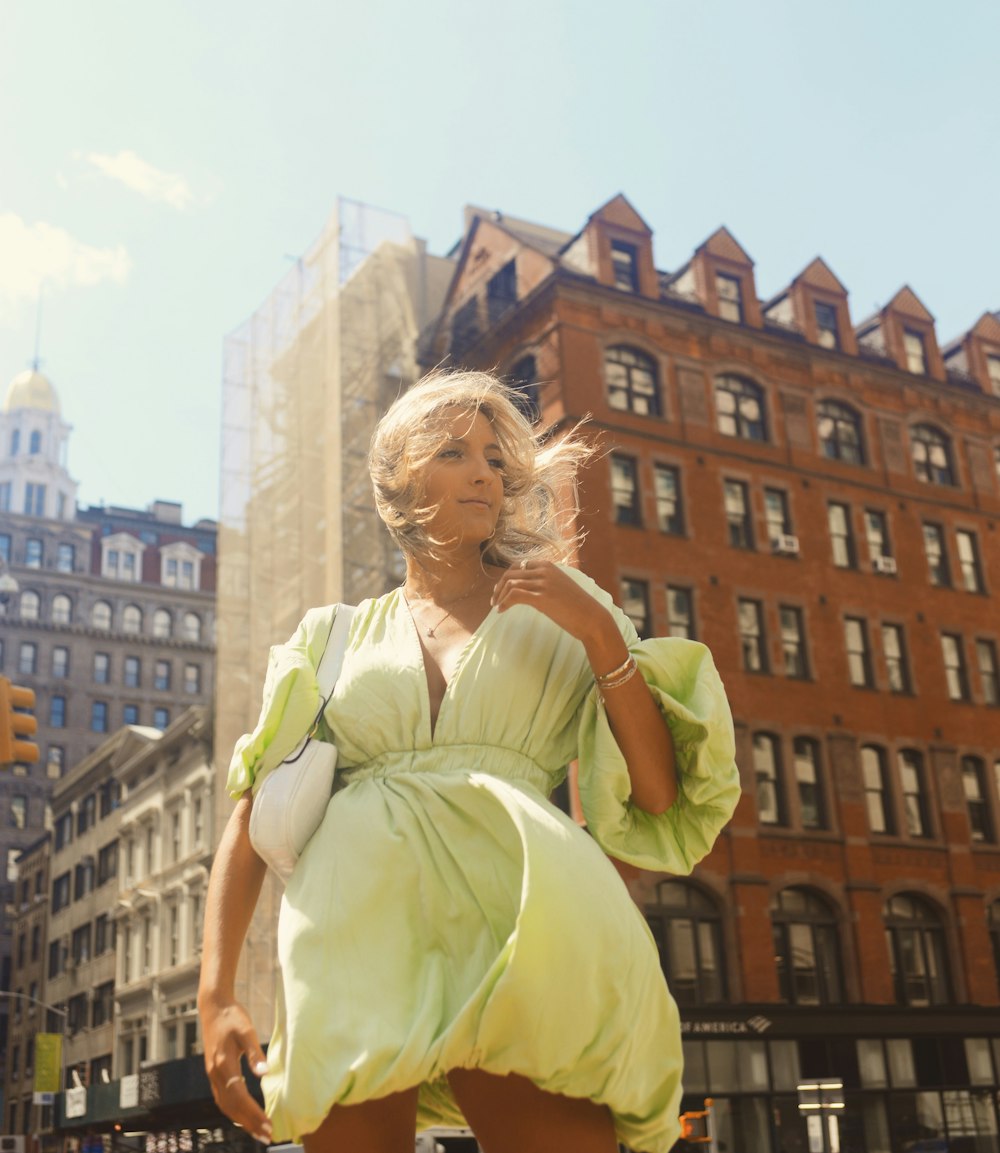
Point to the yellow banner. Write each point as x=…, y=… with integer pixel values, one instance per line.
x=48, y=1062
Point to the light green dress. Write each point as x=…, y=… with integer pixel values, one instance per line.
x=447, y=915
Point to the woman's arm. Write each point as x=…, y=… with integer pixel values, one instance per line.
x=227, y=1031
x=638, y=725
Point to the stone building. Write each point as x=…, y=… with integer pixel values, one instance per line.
x=817, y=500
x=108, y=614
x=26, y=1009
x=108, y=926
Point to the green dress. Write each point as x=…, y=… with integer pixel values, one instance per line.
x=446, y=914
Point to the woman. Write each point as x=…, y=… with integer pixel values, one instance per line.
x=451, y=944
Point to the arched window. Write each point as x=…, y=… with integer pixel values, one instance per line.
x=62, y=609
x=739, y=408
x=162, y=624
x=100, y=615
x=931, y=451
x=524, y=381
x=192, y=627
x=804, y=931
x=917, y=954
x=35, y=443
x=770, y=788
x=840, y=432
x=688, y=933
x=132, y=619
x=30, y=605
x=632, y=382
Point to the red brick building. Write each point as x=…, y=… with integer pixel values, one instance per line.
x=817, y=501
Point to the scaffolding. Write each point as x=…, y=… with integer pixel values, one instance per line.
x=305, y=379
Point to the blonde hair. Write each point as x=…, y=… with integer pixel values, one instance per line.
x=411, y=433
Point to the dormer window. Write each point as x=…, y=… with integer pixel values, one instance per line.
x=730, y=296
x=180, y=566
x=827, y=334
x=501, y=291
x=916, y=354
x=625, y=265
x=121, y=557
x=993, y=372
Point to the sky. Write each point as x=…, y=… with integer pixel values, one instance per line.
x=162, y=162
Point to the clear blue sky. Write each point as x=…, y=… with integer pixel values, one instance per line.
x=160, y=161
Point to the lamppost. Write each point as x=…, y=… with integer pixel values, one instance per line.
x=62, y=1033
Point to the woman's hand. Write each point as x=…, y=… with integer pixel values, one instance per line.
x=228, y=1035
x=635, y=719
x=227, y=1031
x=545, y=587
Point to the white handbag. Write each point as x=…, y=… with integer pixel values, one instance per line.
x=291, y=801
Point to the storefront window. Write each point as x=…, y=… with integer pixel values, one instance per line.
x=871, y=1062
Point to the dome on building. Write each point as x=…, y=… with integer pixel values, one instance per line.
x=30, y=389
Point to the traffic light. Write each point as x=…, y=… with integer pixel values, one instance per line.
x=696, y=1125
x=17, y=724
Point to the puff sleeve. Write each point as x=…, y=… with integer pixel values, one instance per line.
x=682, y=677
x=290, y=703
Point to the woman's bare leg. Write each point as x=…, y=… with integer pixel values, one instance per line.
x=512, y=1115
x=387, y=1125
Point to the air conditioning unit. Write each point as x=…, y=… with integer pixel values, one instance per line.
x=884, y=564
x=11, y=1144
x=785, y=545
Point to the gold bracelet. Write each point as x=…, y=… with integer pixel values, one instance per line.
x=605, y=678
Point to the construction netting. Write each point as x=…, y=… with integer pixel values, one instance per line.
x=305, y=379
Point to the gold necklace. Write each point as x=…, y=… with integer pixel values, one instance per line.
x=430, y=632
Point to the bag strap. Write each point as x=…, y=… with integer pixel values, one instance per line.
x=332, y=660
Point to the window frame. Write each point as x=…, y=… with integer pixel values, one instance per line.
x=632, y=364
x=956, y=672
x=846, y=555
x=624, y=477
x=640, y=591
x=729, y=296
x=703, y=918
x=741, y=389
x=970, y=566
x=862, y=654
x=746, y=605
x=769, y=778
x=821, y=924
x=669, y=524
x=880, y=789
x=740, y=530
x=924, y=438
x=897, y=662
x=925, y=925
x=799, y=669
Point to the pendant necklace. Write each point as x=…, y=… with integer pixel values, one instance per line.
x=431, y=632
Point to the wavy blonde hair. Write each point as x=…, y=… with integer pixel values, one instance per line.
x=534, y=474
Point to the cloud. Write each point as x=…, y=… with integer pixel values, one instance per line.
x=39, y=253
x=131, y=170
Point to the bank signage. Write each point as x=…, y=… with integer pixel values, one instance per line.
x=734, y=1028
